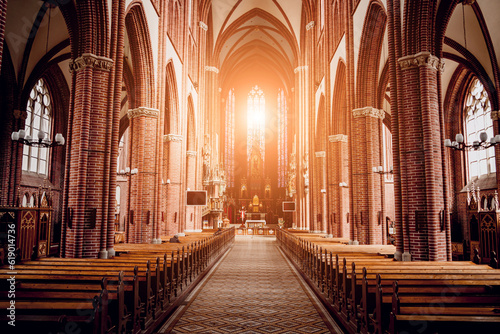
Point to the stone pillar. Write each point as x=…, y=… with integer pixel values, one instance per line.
x=366, y=184
x=173, y=147
x=143, y=124
x=421, y=160
x=339, y=195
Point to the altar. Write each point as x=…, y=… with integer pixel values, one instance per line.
x=255, y=223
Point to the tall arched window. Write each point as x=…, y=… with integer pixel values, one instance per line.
x=229, y=147
x=282, y=138
x=256, y=122
x=478, y=119
x=38, y=118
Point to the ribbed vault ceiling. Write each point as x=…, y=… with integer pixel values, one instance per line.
x=260, y=34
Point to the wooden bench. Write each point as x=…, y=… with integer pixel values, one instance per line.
x=364, y=302
x=462, y=312
x=132, y=301
x=63, y=309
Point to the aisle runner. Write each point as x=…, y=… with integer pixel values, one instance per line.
x=253, y=290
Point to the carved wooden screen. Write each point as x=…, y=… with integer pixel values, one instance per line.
x=488, y=236
x=27, y=232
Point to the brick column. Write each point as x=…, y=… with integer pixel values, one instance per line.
x=366, y=185
x=173, y=147
x=143, y=123
x=85, y=201
x=3, y=18
x=321, y=185
x=301, y=216
x=190, y=218
x=421, y=160
x=339, y=196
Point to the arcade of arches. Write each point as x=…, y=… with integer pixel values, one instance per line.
x=265, y=105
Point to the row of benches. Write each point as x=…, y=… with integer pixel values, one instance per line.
x=131, y=293
x=370, y=293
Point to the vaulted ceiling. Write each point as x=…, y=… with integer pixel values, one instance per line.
x=256, y=36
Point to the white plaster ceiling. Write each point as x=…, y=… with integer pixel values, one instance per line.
x=276, y=25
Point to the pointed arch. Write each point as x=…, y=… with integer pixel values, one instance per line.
x=191, y=126
x=339, y=117
x=321, y=125
x=142, y=57
x=171, y=105
x=369, y=55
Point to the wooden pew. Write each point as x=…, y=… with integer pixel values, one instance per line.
x=364, y=302
x=133, y=301
x=465, y=312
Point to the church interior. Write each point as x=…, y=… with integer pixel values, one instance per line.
x=150, y=147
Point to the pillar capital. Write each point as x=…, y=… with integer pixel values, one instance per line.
x=90, y=60
x=143, y=111
x=300, y=68
x=203, y=25
x=191, y=154
x=368, y=111
x=337, y=138
x=495, y=115
x=310, y=25
x=421, y=59
x=172, y=137
x=320, y=154
x=212, y=69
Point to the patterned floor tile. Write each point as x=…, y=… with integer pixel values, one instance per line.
x=252, y=291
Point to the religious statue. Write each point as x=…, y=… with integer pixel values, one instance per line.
x=292, y=174
x=206, y=158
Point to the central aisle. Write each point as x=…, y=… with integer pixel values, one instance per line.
x=254, y=289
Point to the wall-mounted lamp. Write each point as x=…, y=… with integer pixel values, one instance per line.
x=343, y=185
x=481, y=144
x=168, y=181
x=23, y=138
x=323, y=191
x=380, y=170
x=128, y=172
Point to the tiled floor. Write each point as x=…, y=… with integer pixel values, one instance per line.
x=253, y=290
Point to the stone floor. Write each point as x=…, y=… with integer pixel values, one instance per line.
x=253, y=289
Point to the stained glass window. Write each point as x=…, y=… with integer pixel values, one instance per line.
x=256, y=119
x=229, y=147
x=35, y=159
x=282, y=138
x=478, y=119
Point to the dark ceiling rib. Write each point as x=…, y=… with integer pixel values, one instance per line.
x=29, y=44
x=472, y=63
x=43, y=64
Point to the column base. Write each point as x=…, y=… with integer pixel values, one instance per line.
x=111, y=253
x=156, y=241
x=406, y=257
x=103, y=254
x=353, y=242
x=398, y=256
